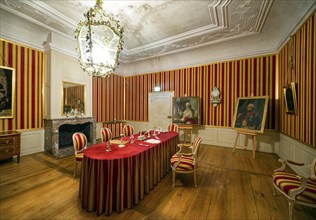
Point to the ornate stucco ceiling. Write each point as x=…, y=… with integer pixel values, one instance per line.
x=154, y=28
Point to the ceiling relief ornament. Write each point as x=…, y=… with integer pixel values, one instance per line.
x=222, y=20
x=229, y=19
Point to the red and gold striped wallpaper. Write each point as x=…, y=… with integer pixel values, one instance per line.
x=116, y=127
x=303, y=125
x=108, y=98
x=239, y=78
x=29, y=65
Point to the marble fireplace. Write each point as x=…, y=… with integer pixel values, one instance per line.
x=58, y=134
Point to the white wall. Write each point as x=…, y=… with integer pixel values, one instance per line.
x=294, y=150
x=32, y=141
x=62, y=67
x=224, y=137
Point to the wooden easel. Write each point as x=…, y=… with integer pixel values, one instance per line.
x=186, y=128
x=248, y=134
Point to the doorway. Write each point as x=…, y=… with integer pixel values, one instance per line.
x=160, y=109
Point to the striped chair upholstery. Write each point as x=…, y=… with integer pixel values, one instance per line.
x=128, y=130
x=80, y=145
x=186, y=162
x=297, y=189
x=106, y=134
x=173, y=127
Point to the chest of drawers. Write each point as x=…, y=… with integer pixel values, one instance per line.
x=10, y=144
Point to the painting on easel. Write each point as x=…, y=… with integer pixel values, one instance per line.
x=250, y=113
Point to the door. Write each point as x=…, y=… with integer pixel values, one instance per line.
x=160, y=109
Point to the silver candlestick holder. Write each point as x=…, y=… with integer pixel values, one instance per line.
x=108, y=147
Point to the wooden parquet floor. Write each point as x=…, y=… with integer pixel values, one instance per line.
x=230, y=186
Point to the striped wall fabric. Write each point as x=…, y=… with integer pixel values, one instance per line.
x=239, y=78
x=29, y=65
x=115, y=127
x=302, y=49
x=108, y=98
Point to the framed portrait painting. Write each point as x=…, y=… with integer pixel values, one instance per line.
x=7, y=84
x=186, y=110
x=250, y=113
x=290, y=98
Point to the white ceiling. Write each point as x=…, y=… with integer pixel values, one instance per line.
x=155, y=28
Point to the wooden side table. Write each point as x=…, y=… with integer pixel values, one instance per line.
x=10, y=144
x=186, y=128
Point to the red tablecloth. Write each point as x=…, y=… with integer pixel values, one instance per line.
x=119, y=179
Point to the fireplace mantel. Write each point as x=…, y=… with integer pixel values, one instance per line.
x=52, y=134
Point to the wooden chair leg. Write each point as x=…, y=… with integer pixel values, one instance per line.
x=75, y=169
x=290, y=210
x=274, y=191
x=173, y=178
x=194, y=174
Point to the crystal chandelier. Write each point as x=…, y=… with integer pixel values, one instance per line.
x=100, y=42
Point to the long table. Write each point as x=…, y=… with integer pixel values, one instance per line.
x=119, y=179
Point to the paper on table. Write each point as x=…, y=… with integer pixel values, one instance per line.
x=153, y=141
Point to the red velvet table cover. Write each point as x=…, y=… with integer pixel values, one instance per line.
x=119, y=179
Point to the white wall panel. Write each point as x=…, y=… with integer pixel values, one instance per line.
x=32, y=141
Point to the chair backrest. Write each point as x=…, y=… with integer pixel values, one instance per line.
x=79, y=141
x=196, y=146
x=128, y=130
x=313, y=170
x=106, y=134
x=173, y=127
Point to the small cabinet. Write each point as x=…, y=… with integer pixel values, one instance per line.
x=10, y=144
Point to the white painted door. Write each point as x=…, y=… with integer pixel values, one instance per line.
x=160, y=109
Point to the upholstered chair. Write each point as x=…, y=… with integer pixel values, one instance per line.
x=106, y=134
x=186, y=162
x=173, y=127
x=297, y=189
x=80, y=145
x=128, y=130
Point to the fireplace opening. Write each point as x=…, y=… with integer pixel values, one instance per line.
x=67, y=130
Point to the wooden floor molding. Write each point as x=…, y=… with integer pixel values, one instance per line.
x=230, y=186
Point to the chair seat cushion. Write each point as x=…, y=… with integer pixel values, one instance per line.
x=287, y=181
x=186, y=162
x=79, y=157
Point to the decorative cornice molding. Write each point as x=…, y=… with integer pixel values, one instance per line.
x=284, y=40
x=19, y=41
x=49, y=46
x=221, y=27
x=34, y=21
x=56, y=16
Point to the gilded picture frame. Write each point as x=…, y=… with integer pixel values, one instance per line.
x=250, y=113
x=290, y=98
x=7, y=91
x=186, y=110
x=74, y=98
